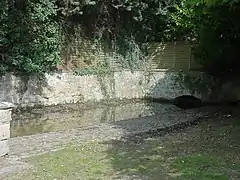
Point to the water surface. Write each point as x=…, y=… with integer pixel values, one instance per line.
x=64, y=117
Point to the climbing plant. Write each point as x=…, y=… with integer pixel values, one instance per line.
x=3, y=32
x=33, y=33
x=121, y=25
x=32, y=37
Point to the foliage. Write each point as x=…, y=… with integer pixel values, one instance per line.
x=121, y=26
x=201, y=22
x=3, y=20
x=215, y=30
x=32, y=39
x=3, y=32
x=219, y=38
x=186, y=21
x=111, y=19
x=101, y=69
x=213, y=2
x=33, y=33
x=218, y=50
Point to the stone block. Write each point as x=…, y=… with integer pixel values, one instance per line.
x=4, y=131
x=4, y=148
x=6, y=105
x=5, y=116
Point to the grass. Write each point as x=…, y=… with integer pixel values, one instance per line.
x=83, y=162
x=209, y=151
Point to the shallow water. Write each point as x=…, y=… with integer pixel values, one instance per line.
x=65, y=117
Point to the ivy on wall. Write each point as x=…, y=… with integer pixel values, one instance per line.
x=32, y=37
x=34, y=33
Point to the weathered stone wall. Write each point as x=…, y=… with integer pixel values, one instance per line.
x=60, y=88
x=5, y=118
x=161, y=84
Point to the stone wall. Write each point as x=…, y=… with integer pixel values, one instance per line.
x=61, y=88
x=5, y=118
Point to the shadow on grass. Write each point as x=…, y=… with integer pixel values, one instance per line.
x=206, y=151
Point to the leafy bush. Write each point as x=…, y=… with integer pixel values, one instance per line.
x=218, y=40
x=32, y=39
x=215, y=28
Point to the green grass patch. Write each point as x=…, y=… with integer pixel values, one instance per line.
x=75, y=162
x=200, y=167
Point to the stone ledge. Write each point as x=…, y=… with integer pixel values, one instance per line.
x=4, y=131
x=6, y=105
x=5, y=116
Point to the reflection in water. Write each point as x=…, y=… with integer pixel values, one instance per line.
x=50, y=119
x=22, y=129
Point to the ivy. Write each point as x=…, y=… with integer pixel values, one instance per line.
x=121, y=26
x=32, y=39
x=101, y=70
x=33, y=33
x=3, y=32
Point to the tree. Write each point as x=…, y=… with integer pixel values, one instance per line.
x=215, y=28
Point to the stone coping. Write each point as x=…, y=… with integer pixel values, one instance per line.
x=6, y=105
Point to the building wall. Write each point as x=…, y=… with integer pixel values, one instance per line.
x=171, y=55
x=168, y=55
